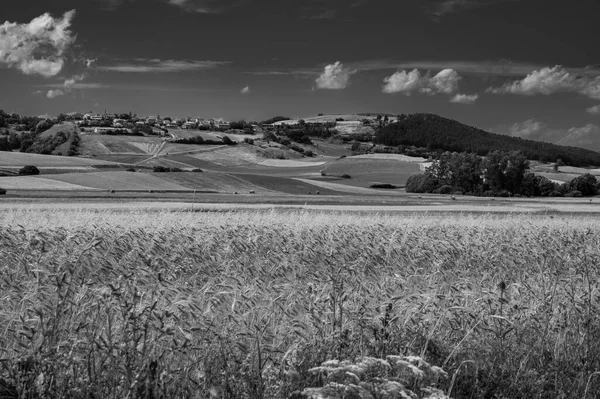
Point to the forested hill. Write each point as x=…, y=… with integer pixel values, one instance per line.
x=438, y=133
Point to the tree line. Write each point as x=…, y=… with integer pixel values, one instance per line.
x=498, y=174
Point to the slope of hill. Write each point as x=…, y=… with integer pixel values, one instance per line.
x=438, y=133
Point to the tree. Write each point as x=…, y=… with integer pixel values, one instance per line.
x=586, y=184
x=5, y=144
x=558, y=163
x=29, y=170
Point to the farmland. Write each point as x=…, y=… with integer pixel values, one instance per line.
x=123, y=302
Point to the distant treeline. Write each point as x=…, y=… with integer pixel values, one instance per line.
x=437, y=133
x=274, y=119
x=499, y=174
x=198, y=140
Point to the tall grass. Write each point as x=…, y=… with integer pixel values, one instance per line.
x=250, y=304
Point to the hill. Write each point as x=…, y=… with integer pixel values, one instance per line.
x=438, y=133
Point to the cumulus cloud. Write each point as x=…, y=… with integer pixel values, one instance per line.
x=53, y=93
x=334, y=77
x=37, y=47
x=444, y=82
x=403, y=82
x=142, y=65
x=595, y=110
x=245, y=90
x=464, y=98
x=548, y=81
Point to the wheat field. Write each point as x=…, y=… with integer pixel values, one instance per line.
x=272, y=304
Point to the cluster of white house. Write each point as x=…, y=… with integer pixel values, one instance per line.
x=188, y=123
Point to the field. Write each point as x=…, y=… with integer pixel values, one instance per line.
x=247, y=304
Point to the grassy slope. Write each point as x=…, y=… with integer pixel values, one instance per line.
x=120, y=181
x=19, y=159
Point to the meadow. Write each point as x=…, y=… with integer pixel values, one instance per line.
x=273, y=304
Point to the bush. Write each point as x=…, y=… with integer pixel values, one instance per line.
x=227, y=141
x=445, y=189
x=422, y=183
x=197, y=170
x=346, y=176
x=29, y=170
x=586, y=184
x=175, y=170
x=2, y=191
x=575, y=193
x=555, y=193
x=130, y=170
x=160, y=169
x=249, y=141
x=309, y=153
x=383, y=185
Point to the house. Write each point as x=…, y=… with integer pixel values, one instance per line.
x=119, y=122
x=151, y=120
x=189, y=125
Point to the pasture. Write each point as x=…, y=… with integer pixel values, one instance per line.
x=247, y=304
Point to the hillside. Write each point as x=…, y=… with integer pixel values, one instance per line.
x=438, y=133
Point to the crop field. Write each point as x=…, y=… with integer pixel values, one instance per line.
x=20, y=159
x=250, y=304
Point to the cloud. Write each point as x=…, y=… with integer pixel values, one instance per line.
x=206, y=6
x=444, y=82
x=55, y=93
x=37, y=47
x=547, y=81
x=334, y=77
x=70, y=84
x=587, y=136
x=89, y=62
x=403, y=82
x=464, y=98
x=157, y=66
x=595, y=110
x=245, y=90
x=530, y=129
x=444, y=7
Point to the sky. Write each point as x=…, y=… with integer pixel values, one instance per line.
x=527, y=68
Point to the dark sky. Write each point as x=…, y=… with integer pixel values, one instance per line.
x=524, y=67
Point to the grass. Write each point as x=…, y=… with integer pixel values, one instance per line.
x=250, y=304
x=118, y=181
x=20, y=159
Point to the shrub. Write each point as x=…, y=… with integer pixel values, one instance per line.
x=249, y=141
x=575, y=193
x=383, y=185
x=29, y=170
x=309, y=153
x=160, y=169
x=175, y=170
x=130, y=170
x=2, y=191
x=197, y=170
x=422, y=183
x=346, y=176
x=445, y=189
x=586, y=184
x=227, y=141
x=555, y=193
